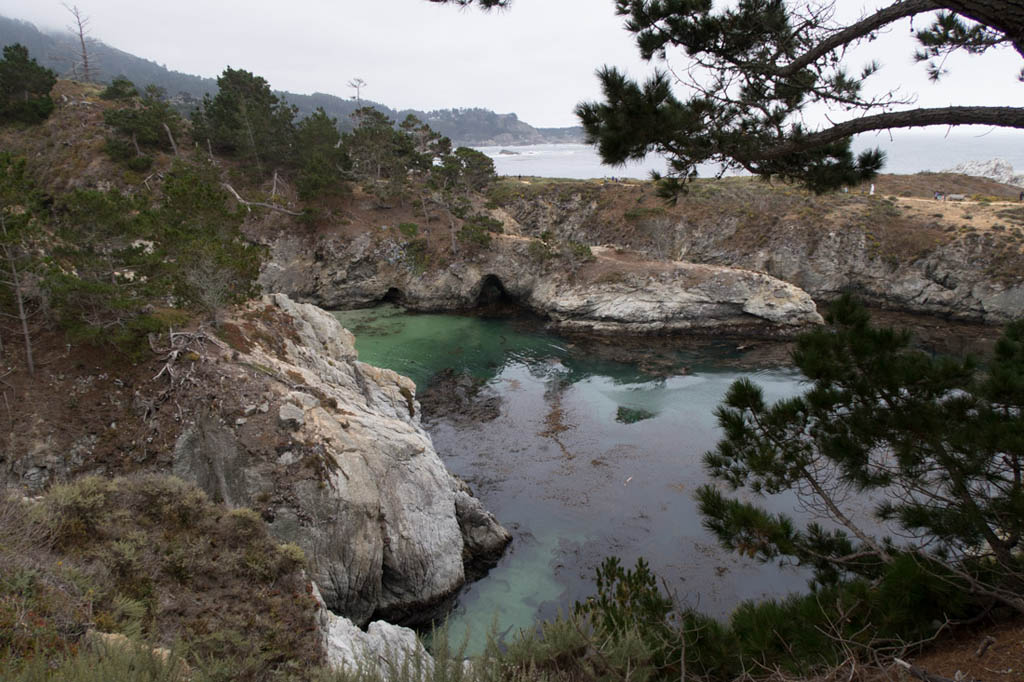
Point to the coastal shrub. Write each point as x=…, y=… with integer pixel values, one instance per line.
x=642, y=212
x=474, y=234
x=417, y=255
x=579, y=252
x=539, y=250
x=487, y=223
x=119, y=88
x=135, y=662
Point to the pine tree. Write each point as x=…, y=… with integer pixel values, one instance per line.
x=246, y=120
x=935, y=443
x=24, y=87
x=755, y=68
x=752, y=69
x=323, y=163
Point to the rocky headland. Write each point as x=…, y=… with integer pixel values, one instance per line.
x=733, y=255
x=999, y=170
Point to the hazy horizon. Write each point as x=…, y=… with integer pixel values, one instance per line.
x=536, y=60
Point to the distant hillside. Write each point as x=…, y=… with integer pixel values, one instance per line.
x=471, y=127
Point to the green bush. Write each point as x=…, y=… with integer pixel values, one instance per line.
x=474, y=234
x=409, y=229
x=417, y=255
x=119, y=88
x=539, y=250
x=580, y=252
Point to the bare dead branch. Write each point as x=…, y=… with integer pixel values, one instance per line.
x=249, y=204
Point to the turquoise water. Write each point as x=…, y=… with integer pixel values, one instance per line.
x=572, y=480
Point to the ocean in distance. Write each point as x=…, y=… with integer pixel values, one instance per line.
x=907, y=152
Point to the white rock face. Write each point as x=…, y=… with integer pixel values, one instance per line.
x=682, y=296
x=383, y=649
x=341, y=466
x=999, y=170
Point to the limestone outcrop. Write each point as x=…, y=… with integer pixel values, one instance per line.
x=331, y=452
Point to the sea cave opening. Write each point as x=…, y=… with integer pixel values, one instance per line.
x=393, y=295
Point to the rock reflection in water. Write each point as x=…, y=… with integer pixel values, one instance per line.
x=558, y=464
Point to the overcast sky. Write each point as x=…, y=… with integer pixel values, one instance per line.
x=537, y=60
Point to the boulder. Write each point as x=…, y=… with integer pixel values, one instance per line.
x=340, y=466
x=380, y=651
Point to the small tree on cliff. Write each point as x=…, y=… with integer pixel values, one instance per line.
x=247, y=120
x=937, y=447
x=20, y=298
x=455, y=178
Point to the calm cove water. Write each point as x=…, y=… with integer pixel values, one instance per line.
x=567, y=467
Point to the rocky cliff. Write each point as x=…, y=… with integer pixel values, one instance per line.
x=960, y=259
x=276, y=413
x=610, y=291
x=333, y=454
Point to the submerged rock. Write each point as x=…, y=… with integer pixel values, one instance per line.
x=629, y=415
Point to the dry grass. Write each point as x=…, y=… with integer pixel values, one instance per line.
x=150, y=556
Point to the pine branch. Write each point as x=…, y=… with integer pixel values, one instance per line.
x=1008, y=117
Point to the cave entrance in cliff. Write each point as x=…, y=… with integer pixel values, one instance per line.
x=494, y=299
x=393, y=296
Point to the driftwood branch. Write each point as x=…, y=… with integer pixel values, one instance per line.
x=179, y=343
x=249, y=204
x=985, y=644
x=921, y=673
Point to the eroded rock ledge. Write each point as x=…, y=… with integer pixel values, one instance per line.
x=615, y=292
x=332, y=453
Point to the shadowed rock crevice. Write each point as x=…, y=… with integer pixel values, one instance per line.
x=393, y=295
x=493, y=299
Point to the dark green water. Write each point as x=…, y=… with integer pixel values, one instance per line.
x=588, y=457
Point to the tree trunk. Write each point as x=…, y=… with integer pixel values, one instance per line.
x=19, y=299
x=170, y=137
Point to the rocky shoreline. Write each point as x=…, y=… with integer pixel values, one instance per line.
x=614, y=293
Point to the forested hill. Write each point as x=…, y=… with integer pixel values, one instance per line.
x=470, y=127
